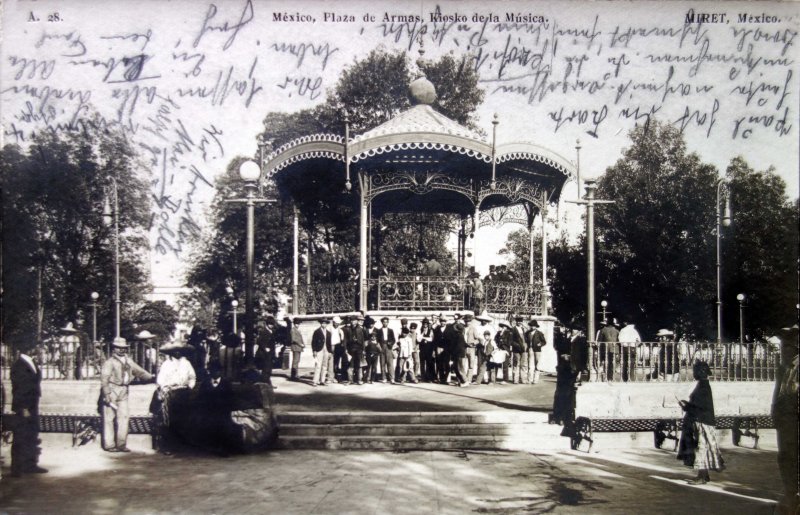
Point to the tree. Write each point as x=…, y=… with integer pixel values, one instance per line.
x=56, y=248
x=760, y=252
x=158, y=317
x=655, y=243
x=566, y=272
x=371, y=91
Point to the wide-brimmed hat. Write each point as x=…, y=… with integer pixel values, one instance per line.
x=336, y=319
x=468, y=316
x=120, y=342
x=324, y=320
x=68, y=328
x=483, y=318
x=793, y=328
x=519, y=318
x=147, y=335
x=174, y=348
x=664, y=332
x=533, y=323
x=503, y=323
x=358, y=317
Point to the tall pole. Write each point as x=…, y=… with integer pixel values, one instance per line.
x=530, y=251
x=722, y=220
x=95, y=296
x=295, y=260
x=544, y=253
x=590, y=189
x=249, y=335
x=590, y=201
x=117, y=299
x=740, y=298
x=362, y=253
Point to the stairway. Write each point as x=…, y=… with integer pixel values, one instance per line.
x=495, y=430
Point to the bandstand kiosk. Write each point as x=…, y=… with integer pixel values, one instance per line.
x=422, y=161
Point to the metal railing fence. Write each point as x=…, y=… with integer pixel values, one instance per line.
x=673, y=361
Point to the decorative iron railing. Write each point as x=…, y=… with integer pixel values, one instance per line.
x=56, y=364
x=328, y=297
x=417, y=293
x=507, y=297
x=673, y=361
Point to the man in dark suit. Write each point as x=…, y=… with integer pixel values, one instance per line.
x=607, y=339
x=320, y=340
x=26, y=390
x=386, y=339
x=517, y=341
x=355, y=338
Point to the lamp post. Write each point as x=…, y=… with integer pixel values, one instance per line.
x=111, y=215
x=604, y=304
x=741, y=298
x=723, y=219
x=94, y=296
x=250, y=172
x=235, y=312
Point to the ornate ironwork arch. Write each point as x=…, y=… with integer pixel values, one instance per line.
x=419, y=183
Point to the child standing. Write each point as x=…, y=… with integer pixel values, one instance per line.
x=373, y=354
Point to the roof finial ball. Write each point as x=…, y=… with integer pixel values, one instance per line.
x=421, y=90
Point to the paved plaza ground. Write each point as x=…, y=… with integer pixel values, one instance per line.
x=87, y=480
x=625, y=481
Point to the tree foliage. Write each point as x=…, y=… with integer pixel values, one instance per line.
x=158, y=317
x=760, y=252
x=56, y=248
x=656, y=245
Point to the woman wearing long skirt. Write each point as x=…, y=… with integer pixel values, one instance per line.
x=698, y=445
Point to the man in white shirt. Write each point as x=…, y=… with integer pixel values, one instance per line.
x=628, y=339
x=337, y=360
x=472, y=337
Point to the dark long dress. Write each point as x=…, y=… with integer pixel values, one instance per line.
x=698, y=446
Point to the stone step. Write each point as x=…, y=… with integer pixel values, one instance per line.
x=439, y=442
x=375, y=418
x=480, y=429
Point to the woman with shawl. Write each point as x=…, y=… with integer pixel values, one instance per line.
x=698, y=445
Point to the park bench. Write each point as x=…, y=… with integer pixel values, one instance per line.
x=742, y=407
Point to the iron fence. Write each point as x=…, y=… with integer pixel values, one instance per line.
x=673, y=361
x=417, y=293
x=328, y=297
x=56, y=364
x=505, y=297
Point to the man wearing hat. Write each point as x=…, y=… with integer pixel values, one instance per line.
x=518, y=346
x=472, y=337
x=387, y=340
x=607, y=339
x=319, y=346
x=115, y=378
x=441, y=350
x=503, y=341
x=339, y=363
x=356, y=339
x=26, y=381
x=69, y=343
x=296, y=344
x=535, y=340
x=148, y=350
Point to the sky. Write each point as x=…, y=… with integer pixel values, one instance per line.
x=190, y=82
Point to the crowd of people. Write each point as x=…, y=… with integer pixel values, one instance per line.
x=461, y=350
